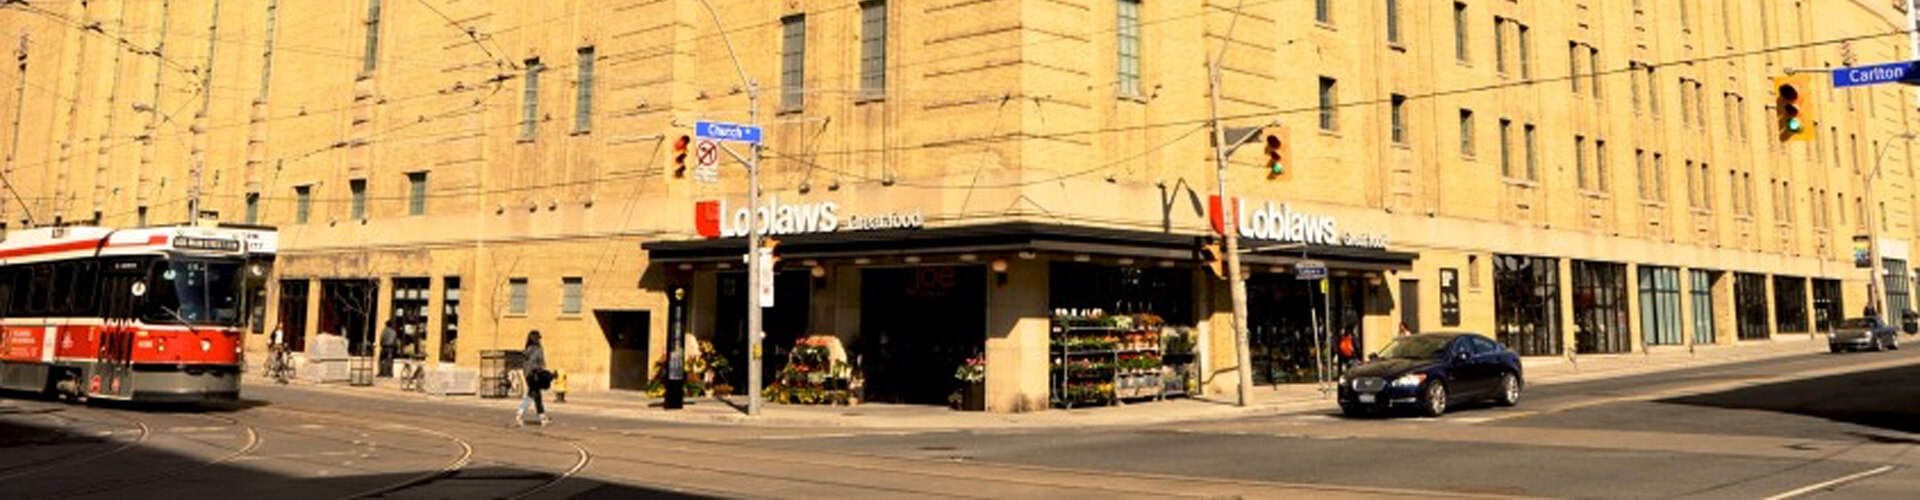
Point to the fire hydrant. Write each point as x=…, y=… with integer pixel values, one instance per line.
x=559, y=385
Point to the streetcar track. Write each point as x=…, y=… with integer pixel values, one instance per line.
x=253, y=442
x=453, y=468
x=63, y=460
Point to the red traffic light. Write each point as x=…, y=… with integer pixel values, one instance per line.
x=680, y=146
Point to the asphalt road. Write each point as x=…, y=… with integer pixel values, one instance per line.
x=1839, y=425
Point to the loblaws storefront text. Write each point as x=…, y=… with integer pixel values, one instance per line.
x=715, y=219
x=1279, y=222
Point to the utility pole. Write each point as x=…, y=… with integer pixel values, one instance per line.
x=1876, y=291
x=1230, y=221
x=199, y=152
x=754, y=334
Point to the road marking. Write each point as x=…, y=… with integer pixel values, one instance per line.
x=1832, y=482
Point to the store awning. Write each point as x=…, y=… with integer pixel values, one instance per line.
x=1017, y=237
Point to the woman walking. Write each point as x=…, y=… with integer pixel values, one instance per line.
x=535, y=373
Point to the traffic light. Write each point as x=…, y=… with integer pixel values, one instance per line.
x=1210, y=252
x=1279, y=152
x=681, y=143
x=1793, y=111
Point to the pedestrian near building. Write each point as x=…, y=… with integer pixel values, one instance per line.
x=534, y=371
x=389, y=343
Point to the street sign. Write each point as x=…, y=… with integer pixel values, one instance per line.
x=1308, y=270
x=1875, y=74
x=727, y=132
x=766, y=277
x=706, y=161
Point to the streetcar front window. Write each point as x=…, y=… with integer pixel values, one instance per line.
x=194, y=291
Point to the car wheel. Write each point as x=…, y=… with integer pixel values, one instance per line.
x=1878, y=345
x=1833, y=349
x=1435, y=402
x=1509, y=390
x=1893, y=342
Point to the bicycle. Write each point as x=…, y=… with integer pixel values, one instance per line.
x=413, y=376
x=280, y=366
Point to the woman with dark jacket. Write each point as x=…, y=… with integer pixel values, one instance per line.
x=536, y=364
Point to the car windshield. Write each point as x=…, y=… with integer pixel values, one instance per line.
x=1416, y=347
x=1857, y=323
x=193, y=291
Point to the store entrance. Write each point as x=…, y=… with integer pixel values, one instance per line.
x=1287, y=326
x=918, y=324
x=783, y=323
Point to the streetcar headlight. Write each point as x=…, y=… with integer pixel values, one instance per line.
x=206, y=345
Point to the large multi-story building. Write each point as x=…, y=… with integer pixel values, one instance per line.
x=946, y=177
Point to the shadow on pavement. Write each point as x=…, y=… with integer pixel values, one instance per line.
x=56, y=461
x=1885, y=399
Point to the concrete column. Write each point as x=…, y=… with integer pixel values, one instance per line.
x=1569, y=328
x=1635, y=337
x=310, y=330
x=1018, y=337
x=1726, y=326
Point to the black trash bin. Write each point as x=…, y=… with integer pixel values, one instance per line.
x=496, y=372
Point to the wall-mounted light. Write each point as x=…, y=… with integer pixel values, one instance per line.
x=1082, y=257
x=1028, y=255
x=1126, y=261
x=999, y=267
x=819, y=276
x=911, y=259
x=819, y=272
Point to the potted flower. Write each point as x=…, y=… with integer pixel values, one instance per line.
x=972, y=376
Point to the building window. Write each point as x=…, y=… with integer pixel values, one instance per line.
x=1527, y=304
x=793, y=63
x=1897, y=286
x=1659, y=177
x=1399, y=120
x=1329, y=118
x=530, y=100
x=417, y=193
x=371, y=59
x=1506, y=147
x=253, y=209
x=1526, y=57
x=1593, y=71
x=1660, y=305
x=583, y=93
x=1460, y=51
x=358, y=187
x=1580, y=160
x=571, y=291
x=1706, y=187
x=1600, y=165
x=1640, y=174
x=1128, y=57
x=1693, y=188
x=1653, y=92
x=302, y=205
x=517, y=296
x=1686, y=105
x=1633, y=79
x=1790, y=304
x=1573, y=65
x=1323, y=11
x=1500, y=45
x=1533, y=166
x=1393, y=22
x=410, y=314
x=1827, y=306
x=1466, y=132
x=873, y=48
x=1750, y=306
x=449, y=318
x=1700, y=293
x=1600, y=308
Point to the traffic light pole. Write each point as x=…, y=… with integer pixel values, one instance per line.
x=1230, y=230
x=753, y=224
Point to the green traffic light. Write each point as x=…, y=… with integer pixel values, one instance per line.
x=1793, y=124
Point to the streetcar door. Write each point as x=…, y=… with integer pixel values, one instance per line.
x=122, y=289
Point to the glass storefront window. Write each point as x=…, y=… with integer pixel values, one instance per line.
x=1750, y=305
x=1701, y=294
x=1827, y=306
x=1284, y=318
x=1790, y=304
x=1897, y=298
x=1660, y=305
x=1527, y=304
x=1599, y=308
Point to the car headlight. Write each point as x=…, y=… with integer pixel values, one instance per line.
x=1410, y=380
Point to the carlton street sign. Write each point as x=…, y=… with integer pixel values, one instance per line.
x=1902, y=72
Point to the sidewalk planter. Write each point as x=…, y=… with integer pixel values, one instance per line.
x=973, y=396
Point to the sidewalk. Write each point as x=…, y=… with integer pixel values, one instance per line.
x=1267, y=400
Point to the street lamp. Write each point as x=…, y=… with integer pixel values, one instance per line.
x=1875, y=289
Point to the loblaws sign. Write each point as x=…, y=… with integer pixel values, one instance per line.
x=714, y=219
x=1278, y=222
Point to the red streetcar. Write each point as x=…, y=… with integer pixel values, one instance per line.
x=151, y=314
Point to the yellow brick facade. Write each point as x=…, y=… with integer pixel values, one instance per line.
x=991, y=111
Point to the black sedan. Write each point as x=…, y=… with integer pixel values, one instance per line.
x=1429, y=371
x=1862, y=333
